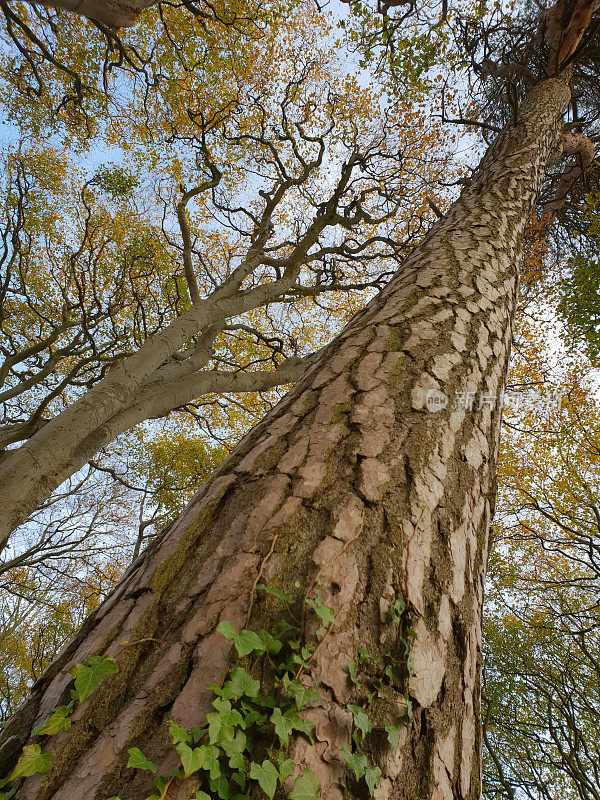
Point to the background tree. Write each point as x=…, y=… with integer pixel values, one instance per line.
x=219, y=322
x=541, y=678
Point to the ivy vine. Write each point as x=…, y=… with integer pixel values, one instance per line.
x=246, y=737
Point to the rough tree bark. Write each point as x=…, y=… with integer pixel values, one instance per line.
x=351, y=480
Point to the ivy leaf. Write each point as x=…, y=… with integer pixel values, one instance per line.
x=301, y=694
x=352, y=673
x=31, y=762
x=249, y=642
x=267, y=776
x=275, y=592
x=252, y=716
x=222, y=723
x=89, y=674
x=289, y=721
x=204, y=757
x=372, y=776
x=357, y=762
x=179, y=734
x=201, y=796
x=210, y=759
x=197, y=734
x=397, y=610
x=393, y=733
x=58, y=720
x=306, y=787
x=361, y=720
x=409, y=708
x=221, y=787
x=283, y=725
x=286, y=766
x=245, y=642
x=284, y=626
x=191, y=759
x=234, y=750
x=226, y=628
x=271, y=643
x=323, y=613
x=364, y=655
x=240, y=683
x=240, y=779
x=138, y=760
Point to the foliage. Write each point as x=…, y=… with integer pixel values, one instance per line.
x=541, y=703
x=579, y=305
x=33, y=761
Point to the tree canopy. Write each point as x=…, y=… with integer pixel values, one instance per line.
x=196, y=198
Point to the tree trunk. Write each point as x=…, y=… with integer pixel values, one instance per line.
x=358, y=482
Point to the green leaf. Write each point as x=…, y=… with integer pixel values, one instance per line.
x=234, y=750
x=271, y=643
x=246, y=642
x=58, y=720
x=393, y=733
x=283, y=725
x=138, y=760
x=31, y=762
x=289, y=721
x=275, y=592
x=372, y=776
x=323, y=613
x=249, y=642
x=179, y=734
x=227, y=630
x=267, y=776
x=357, y=762
x=221, y=787
x=89, y=674
x=286, y=766
x=240, y=779
x=301, y=694
x=191, y=759
x=204, y=757
x=364, y=655
x=201, y=796
x=352, y=673
x=252, y=716
x=409, y=708
x=239, y=684
x=306, y=787
x=198, y=733
x=284, y=626
x=222, y=723
x=210, y=757
x=361, y=720
x=397, y=609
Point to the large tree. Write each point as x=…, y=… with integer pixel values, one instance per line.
x=361, y=496
x=138, y=310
